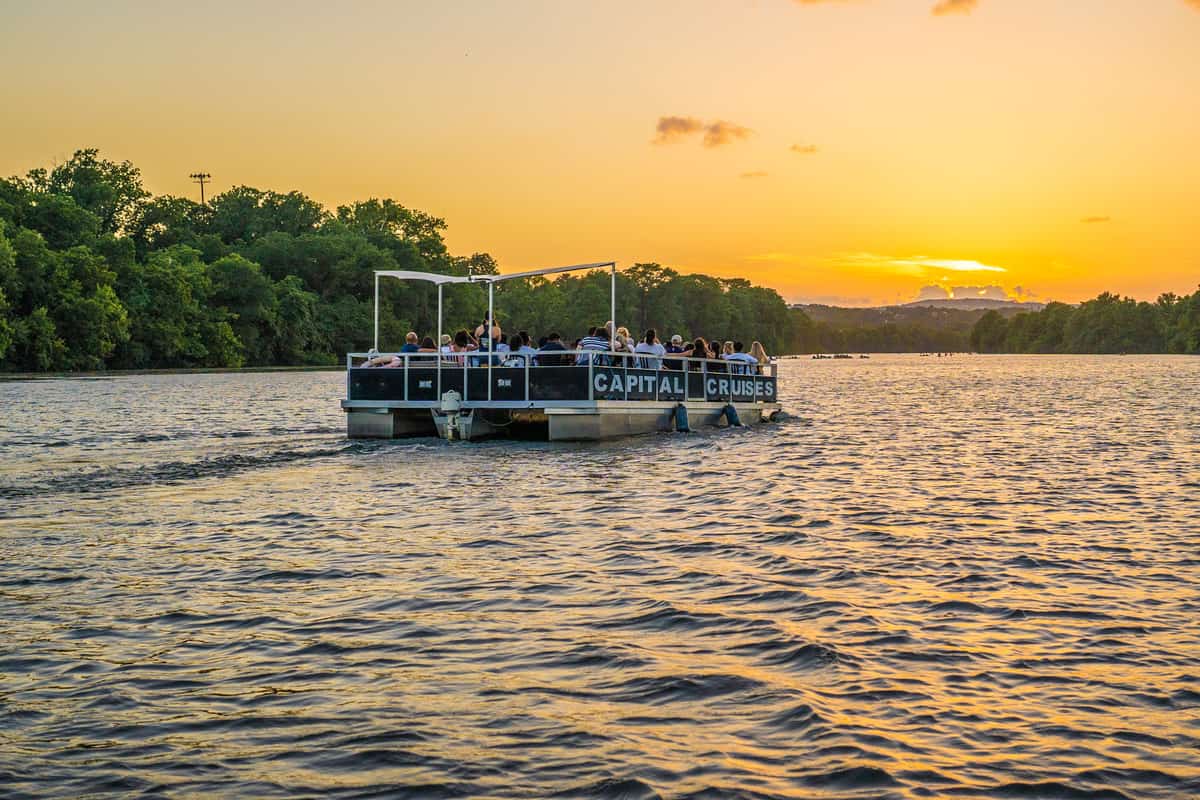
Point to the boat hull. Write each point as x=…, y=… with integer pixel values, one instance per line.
x=593, y=421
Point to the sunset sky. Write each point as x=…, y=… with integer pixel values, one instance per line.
x=847, y=151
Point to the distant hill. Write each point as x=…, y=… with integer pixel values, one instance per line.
x=973, y=303
x=958, y=315
x=931, y=326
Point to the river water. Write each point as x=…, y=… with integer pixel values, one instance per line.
x=962, y=577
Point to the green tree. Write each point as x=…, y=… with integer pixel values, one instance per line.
x=990, y=333
x=110, y=190
x=36, y=345
x=296, y=340
x=249, y=299
x=650, y=281
x=172, y=321
x=243, y=214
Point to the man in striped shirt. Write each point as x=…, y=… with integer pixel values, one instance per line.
x=597, y=339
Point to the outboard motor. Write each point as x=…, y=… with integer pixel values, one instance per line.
x=451, y=404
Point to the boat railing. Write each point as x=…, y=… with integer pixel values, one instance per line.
x=622, y=375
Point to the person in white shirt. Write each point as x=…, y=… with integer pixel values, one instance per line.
x=513, y=356
x=743, y=363
x=650, y=351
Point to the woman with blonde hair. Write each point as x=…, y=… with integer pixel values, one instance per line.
x=760, y=355
x=623, y=343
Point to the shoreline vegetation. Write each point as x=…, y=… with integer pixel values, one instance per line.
x=100, y=374
x=96, y=275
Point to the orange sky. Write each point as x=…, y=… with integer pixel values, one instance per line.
x=844, y=150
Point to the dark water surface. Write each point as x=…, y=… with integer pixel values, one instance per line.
x=968, y=577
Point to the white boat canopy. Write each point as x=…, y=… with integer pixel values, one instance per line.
x=490, y=280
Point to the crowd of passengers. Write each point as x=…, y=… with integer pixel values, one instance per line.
x=598, y=347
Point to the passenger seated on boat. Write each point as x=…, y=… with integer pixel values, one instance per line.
x=553, y=345
x=760, y=355
x=651, y=351
x=699, y=350
x=462, y=344
x=597, y=340
x=446, y=349
x=427, y=353
x=714, y=355
x=515, y=357
x=740, y=363
x=383, y=361
x=410, y=343
x=627, y=347
x=526, y=349
x=676, y=346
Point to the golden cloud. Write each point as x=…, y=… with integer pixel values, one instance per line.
x=954, y=7
x=914, y=266
x=803, y=149
x=670, y=130
x=722, y=132
x=675, y=129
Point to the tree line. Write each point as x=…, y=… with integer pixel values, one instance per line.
x=95, y=273
x=1107, y=324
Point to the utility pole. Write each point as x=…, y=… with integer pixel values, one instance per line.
x=200, y=178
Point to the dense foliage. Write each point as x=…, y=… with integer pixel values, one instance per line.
x=95, y=274
x=1107, y=324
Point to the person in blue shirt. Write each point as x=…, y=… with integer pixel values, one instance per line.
x=410, y=343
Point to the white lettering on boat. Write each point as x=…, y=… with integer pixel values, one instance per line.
x=647, y=385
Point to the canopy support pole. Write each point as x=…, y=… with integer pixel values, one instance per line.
x=439, y=344
x=376, y=312
x=612, y=308
x=490, y=327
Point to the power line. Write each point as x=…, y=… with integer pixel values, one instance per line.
x=200, y=178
